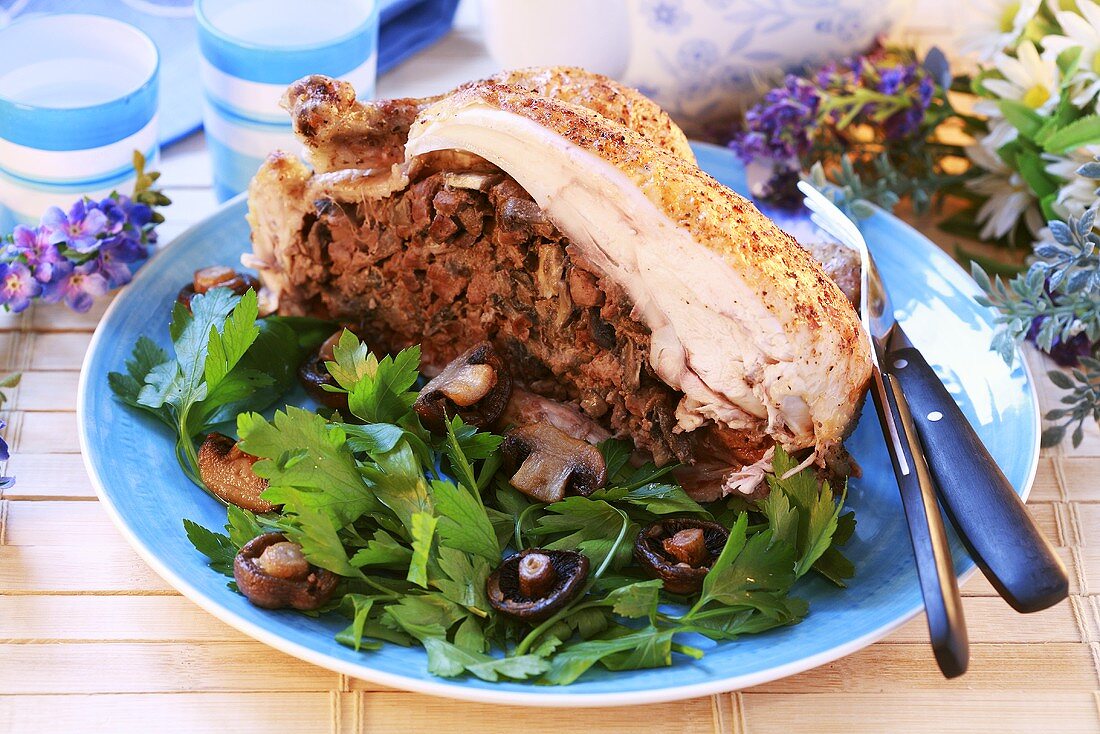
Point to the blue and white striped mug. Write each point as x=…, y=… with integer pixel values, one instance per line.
x=251, y=51
x=78, y=95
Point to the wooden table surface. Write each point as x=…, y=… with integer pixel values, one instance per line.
x=92, y=640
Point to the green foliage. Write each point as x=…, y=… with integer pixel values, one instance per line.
x=1056, y=301
x=224, y=363
x=415, y=548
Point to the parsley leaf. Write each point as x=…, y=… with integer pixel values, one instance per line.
x=314, y=529
x=307, y=463
x=464, y=579
x=591, y=526
x=636, y=600
x=463, y=522
x=752, y=572
x=215, y=546
x=352, y=362
x=655, y=498
x=806, y=515
x=225, y=348
x=397, y=481
x=242, y=525
x=424, y=616
x=729, y=624
x=383, y=551
x=422, y=530
x=470, y=637
x=447, y=660
x=651, y=647
x=352, y=636
x=224, y=362
x=374, y=438
x=127, y=387
x=382, y=394
x=616, y=455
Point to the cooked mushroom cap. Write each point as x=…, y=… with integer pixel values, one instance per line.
x=217, y=276
x=476, y=385
x=287, y=581
x=227, y=472
x=313, y=374
x=548, y=463
x=556, y=577
x=669, y=550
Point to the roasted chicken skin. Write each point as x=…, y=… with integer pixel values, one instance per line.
x=342, y=133
x=690, y=321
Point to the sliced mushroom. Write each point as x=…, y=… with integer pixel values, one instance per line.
x=549, y=463
x=475, y=386
x=217, y=276
x=227, y=472
x=680, y=551
x=272, y=572
x=313, y=374
x=535, y=583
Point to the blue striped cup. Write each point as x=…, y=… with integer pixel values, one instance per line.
x=78, y=95
x=251, y=51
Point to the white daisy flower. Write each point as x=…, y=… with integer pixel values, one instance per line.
x=1028, y=78
x=1009, y=196
x=1077, y=193
x=995, y=25
x=1082, y=30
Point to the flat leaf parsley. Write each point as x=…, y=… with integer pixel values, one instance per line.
x=414, y=523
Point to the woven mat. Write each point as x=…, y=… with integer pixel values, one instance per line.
x=91, y=640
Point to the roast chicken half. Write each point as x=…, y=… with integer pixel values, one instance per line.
x=562, y=217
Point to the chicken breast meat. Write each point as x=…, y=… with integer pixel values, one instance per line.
x=562, y=217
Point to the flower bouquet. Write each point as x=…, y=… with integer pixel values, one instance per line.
x=1016, y=143
x=76, y=256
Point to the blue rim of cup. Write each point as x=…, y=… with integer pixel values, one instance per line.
x=79, y=128
x=256, y=62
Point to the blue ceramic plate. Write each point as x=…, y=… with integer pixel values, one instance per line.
x=131, y=464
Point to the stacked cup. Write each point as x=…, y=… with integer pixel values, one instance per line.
x=251, y=51
x=78, y=95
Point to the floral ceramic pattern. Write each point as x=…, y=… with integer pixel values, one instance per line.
x=698, y=59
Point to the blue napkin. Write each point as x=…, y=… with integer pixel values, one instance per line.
x=406, y=27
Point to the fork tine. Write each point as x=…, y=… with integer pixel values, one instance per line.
x=829, y=218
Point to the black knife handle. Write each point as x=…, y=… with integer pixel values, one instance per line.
x=979, y=499
x=939, y=586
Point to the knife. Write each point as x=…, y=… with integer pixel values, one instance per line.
x=935, y=570
x=980, y=501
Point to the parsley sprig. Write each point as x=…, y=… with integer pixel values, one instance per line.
x=414, y=523
x=225, y=362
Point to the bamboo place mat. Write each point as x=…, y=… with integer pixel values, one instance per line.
x=94, y=641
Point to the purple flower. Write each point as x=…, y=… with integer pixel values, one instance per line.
x=36, y=249
x=892, y=80
x=79, y=229
x=780, y=126
x=17, y=286
x=1065, y=354
x=5, y=482
x=114, y=254
x=77, y=286
x=900, y=81
x=115, y=209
